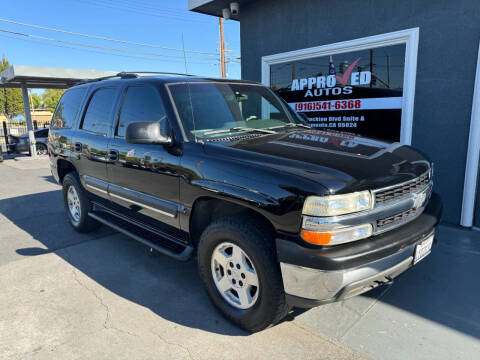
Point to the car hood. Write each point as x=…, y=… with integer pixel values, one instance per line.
x=340, y=162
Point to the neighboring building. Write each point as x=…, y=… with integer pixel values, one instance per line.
x=41, y=116
x=396, y=70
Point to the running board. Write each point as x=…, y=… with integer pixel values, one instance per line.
x=182, y=256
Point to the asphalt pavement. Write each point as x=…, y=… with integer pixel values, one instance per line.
x=67, y=295
x=104, y=296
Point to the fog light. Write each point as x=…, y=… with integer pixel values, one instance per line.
x=337, y=236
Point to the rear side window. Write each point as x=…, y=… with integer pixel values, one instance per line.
x=98, y=117
x=140, y=103
x=67, y=109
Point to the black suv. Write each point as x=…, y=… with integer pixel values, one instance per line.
x=277, y=214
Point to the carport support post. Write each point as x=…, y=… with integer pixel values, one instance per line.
x=28, y=118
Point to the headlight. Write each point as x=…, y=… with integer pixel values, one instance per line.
x=332, y=205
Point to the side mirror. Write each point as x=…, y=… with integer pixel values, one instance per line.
x=149, y=132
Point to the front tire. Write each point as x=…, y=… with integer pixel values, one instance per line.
x=77, y=205
x=237, y=263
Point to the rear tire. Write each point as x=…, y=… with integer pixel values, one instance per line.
x=266, y=303
x=77, y=205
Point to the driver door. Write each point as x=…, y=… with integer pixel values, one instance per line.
x=144, y=181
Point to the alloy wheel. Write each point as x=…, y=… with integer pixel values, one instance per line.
x=74, y=204
x=235, y=276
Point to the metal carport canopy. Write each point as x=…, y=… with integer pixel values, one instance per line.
x=19, y=76
x=25, y=77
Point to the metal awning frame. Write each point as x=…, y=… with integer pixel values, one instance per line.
x=34, y=77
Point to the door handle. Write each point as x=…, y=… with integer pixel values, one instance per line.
x=113, y=155
x=77, y=147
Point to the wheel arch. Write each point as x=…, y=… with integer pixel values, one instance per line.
x=63, y=168
x=207, y=209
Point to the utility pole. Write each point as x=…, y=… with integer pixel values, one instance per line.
x=222, y=49
x=31, y=100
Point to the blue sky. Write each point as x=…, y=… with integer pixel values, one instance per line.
x=155, y=22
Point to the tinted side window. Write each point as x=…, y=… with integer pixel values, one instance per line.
x=67, y=108
x=98, y=118
x=41, y=133
x=139, y=104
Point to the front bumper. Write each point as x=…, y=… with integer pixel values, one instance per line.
x=317, y=276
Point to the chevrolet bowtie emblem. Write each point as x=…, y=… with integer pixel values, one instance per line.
x=419, y=199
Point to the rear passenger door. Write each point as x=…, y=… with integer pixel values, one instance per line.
x=144, y=182
x=63, y=121
x=90, y=141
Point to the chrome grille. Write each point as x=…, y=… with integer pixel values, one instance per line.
x=396, y=192
x=401, y=217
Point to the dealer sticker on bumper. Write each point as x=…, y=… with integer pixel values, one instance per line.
x=423, y=249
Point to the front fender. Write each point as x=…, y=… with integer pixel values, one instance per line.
x=277, y=195
x=236, y=193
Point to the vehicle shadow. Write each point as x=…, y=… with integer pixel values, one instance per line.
x=443, y=288
x=49, y=178
x=171, y=289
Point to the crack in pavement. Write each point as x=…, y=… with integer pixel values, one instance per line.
x=107, y=322
x=105, y=306
x=174, y=344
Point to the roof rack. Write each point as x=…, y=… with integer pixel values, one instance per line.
x=130, y=75
x=152, y=72
x=96, y=79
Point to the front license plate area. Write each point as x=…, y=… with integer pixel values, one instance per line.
x=423, y=249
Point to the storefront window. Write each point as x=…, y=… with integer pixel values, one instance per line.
x=359, y=92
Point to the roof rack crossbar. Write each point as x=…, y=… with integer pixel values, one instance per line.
x=130, y=75
x=97, y=79
x=155, y=72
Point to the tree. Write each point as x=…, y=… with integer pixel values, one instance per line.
x=37, y=101
x=50, y=98
x=11, y=102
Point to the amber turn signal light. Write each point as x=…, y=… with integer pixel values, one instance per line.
x=316, y=238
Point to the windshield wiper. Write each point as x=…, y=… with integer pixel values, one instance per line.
x=289, y=125
x=235, y=129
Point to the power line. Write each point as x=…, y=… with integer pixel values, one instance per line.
x=102, y=37
x=148, y=7
x=99, y=52
x=102, y=47
x=139, y=11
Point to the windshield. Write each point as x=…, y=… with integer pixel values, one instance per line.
x=209, y=110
